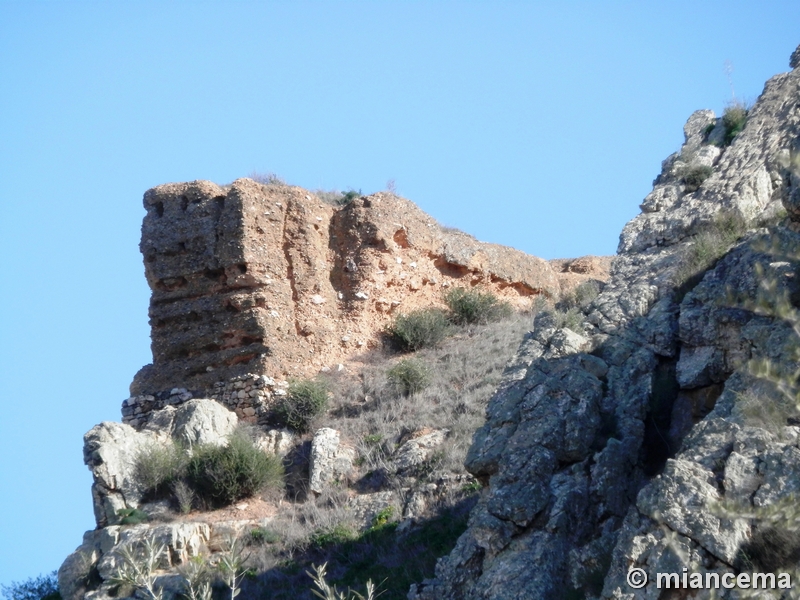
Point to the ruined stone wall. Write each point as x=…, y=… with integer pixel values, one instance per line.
x=268, y=280
x=250, y=396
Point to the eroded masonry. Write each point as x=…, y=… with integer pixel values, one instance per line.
x=253, y=283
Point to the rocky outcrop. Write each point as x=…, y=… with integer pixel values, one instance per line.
x=269, y=280
x=617, y=447
x=331, y=460
x=111, y=450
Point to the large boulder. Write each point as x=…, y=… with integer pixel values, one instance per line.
x=330, y=460
x=200, y=422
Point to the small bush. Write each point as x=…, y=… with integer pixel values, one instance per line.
x=349, y=196
x=734, y=118
x=305, y=400
x=572, y=318
x=260, y=535
x=221, y=475
x=580, y=297
x=473, y=306
x=337, y=198
x=132, y=516
x=44, y=587
x=409, y=376
x=267, y=178
x=695, y=177
x=382, y=518
x=159, y=467
x=184, y=495
x=710, y=243
x=337, y=534
x=420, y=329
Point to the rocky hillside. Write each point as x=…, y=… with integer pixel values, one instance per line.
x=651, y=428
x=665, y=436
x=278, y=428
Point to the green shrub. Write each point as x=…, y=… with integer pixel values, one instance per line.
x=44, y=587
x=221, y=475
x=337, y=534
x=695, y=177
x=349, y=196
x=473, y=306
x=409, y=376
x=580, y=297
x=259, y=535
x=383, y=517
x=709, y=244
x=159, y=467
x=132, y=516
x=734, y=118
x=572, y=318
x=305, y=400
x=419, y=329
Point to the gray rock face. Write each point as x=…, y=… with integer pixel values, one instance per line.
x=111, y=450
x=330, y=460
x=203, y=422
x=417, y=450
x=622, y=448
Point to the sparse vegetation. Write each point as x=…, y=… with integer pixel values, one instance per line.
x=580, y=297
x=469, y=306
x=306, y=400
x=571, y=318
x=419, y=329
x=337, y=198
x=365, y=407
x=734, y=118
x=43, y=587
x=695, y=176
x=209, y=475
x=267, y=178
x=132, y=516
x=409, y=376
x=159, y=467
x=709, y=244
x=329, y=592
x=461, y=371
x=222, y=475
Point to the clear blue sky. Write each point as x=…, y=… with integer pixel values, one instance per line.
x=538, y=125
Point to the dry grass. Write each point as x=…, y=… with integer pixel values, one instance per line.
x=377, y=416
x=464, y=370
